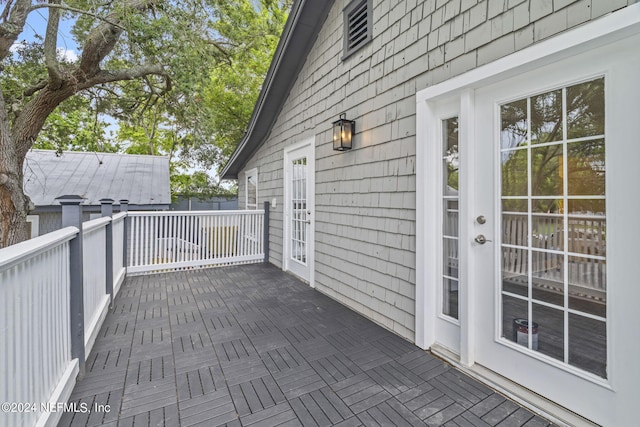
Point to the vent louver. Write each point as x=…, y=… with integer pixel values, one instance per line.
x=357, y=21
x=358, y=26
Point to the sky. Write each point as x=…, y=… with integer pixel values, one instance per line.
x=37, y=24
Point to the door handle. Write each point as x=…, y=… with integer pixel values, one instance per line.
x=481, y=239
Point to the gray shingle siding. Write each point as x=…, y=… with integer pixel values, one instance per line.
x=365, y=198
x=49, y=221
x=52, y=221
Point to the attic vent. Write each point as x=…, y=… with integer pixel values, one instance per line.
x=357, y=26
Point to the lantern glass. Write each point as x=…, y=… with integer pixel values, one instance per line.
x=337, y=135
x=343, y=131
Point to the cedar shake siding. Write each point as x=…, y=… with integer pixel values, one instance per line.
x=365, y=198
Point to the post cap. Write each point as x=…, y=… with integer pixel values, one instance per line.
x=70, y=199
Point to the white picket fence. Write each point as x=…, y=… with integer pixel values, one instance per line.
x=165, y=241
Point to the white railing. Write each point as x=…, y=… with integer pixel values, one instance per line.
x=36, y=276
x=586, y=249
x=165, y=241
x=119, y=269
x=35, y=352
x=94, y=272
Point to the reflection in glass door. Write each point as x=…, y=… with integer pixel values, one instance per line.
x=450, y=203
x=553, y=252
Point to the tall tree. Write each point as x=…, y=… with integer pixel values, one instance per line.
x=146, y=63
x=23, y=115
x=251, y=36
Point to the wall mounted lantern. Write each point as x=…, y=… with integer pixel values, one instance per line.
x=343, y=131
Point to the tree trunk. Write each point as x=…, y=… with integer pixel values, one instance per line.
x=13, y=222
x=14, y=145
x=14, y=205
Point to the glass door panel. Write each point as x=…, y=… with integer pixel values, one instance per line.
x=299, y=215
x=451, y=218
x=553, y=248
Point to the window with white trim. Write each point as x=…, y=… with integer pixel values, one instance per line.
x=251, y=189
x=358, y=26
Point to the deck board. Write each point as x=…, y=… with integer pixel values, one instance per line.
x=253, y=346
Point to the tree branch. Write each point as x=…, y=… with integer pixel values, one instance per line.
x=5, y=12
x=51, y=46
x=29, y=122
x=54, y=6
x=11, y=29
x=105, y=76
x=103, y=38
x=222, y=50
x=36, y=87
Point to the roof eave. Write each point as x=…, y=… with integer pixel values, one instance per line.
x=301, y=30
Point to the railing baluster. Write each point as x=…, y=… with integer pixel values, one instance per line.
x=140, y=242
x=219, y=232
x=227, y=236
x=181, y=239
x=192, y=238
x=133, y=245
x=188, y=238
x=154, y=243
x=221, y=238
x=240, y=233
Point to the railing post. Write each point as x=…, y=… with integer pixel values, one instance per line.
x=106, y=209
x=124, y=207
x=265, y=237
x=72, y=216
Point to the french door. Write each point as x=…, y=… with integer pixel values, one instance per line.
x=541, y=183
x=524, y=207
x=298, y=245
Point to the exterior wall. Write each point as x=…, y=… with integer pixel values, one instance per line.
x=242, y=185
x=365, y=198
x=50, y=221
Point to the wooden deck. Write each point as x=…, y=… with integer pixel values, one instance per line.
x=253, y=346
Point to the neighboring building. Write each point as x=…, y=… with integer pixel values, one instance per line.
x=192, y=203
x=143, y=180
x=474, y=198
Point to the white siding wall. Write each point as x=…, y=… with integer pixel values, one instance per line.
x=365, y=198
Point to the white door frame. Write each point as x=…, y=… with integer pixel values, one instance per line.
x=623, y=373
x=444, y=331
x=300, y=149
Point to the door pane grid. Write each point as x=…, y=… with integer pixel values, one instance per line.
x=554, y=224
x=299, y=210
x=450, y=223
